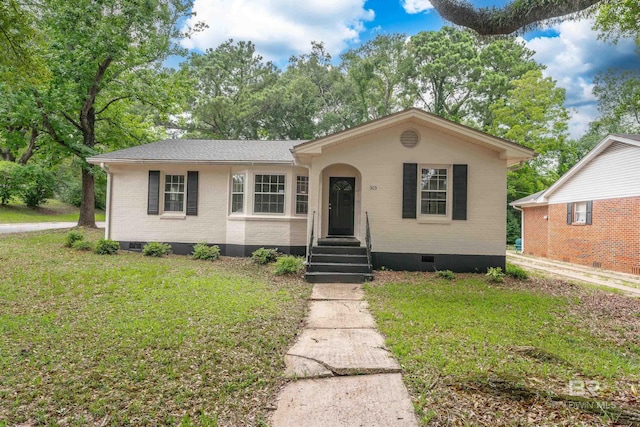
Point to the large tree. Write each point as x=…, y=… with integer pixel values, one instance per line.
x=105, y=76
x=515, y=16
x=231, y=82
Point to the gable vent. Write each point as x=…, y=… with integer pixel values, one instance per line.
x=409, y=138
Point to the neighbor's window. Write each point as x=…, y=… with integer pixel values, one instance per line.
x=580, y=212
x=433, y=191
x=269, y=194
x=237, y=194
x=174, y=193
x=302, y=195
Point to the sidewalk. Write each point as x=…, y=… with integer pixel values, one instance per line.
x=37, y=226
x=344, y=376
x=628, y=283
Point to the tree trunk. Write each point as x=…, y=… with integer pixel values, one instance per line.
x=87, y=206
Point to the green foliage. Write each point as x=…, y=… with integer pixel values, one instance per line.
x=69, y=184
x=72, y=237
x=82, y=245
x=9, y=181
x=36, y=185
x=620, y=18
x=107, y=247
x=264, y=256
x=495, y=274
x=446, y=274
x=206, y=252
x=156, y=249
x=516, y=272
x=289, y=264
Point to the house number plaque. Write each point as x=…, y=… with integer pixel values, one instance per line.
x=373, y=187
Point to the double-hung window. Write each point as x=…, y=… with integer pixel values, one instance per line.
x=433, y=191
x=237, y=193
x=580, y=212
x=269, y=194
x=174, y=193
x=302, y=195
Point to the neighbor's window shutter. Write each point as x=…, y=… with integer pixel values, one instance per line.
x=459, y=192
x=192, y=193
x=409, y=190
x=589, y=210
x=153, y=198
x=569, y=213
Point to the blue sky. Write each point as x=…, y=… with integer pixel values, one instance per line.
x=281, y=28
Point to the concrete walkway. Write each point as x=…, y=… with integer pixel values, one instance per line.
x=37, y=226
x=344, y=376
x=627, y=283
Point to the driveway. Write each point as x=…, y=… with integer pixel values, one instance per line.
x=37, y=226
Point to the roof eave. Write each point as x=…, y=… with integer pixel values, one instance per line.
x=97, y=161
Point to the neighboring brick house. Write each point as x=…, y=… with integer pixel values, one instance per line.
x=591, y=215
x=433, y=192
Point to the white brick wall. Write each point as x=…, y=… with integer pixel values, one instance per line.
x=378, y=159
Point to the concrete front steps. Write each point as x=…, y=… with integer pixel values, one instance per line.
x=338, y=260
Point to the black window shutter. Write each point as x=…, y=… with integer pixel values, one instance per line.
x=409, y=190
x=192, y=193
x=589, y=210
x=459, y=192
x=569, y=213
x=153, y=198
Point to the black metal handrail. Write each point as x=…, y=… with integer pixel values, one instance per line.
x=313, y=220
x=368, y=240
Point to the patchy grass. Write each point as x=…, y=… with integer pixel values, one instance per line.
x=131, y=340
x=537, y=352
x=51, y=211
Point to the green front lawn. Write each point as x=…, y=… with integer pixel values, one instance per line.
x=130, y=340
x=539, y=352
x=51, y=211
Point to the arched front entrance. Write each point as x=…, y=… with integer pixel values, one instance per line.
x=341, y=200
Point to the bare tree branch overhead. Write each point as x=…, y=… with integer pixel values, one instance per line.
x=515, y=16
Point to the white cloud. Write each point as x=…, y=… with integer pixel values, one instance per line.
x=416, y=6
x=573, y=58
x=280, y=28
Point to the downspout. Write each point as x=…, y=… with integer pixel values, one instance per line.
x=107, y=220
x=521, y=224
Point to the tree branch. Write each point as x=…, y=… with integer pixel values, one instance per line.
x=111, y=102
x=31, y=148
x=73, y=122
x=515, y=16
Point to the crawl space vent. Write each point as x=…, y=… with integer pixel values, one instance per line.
x=409, y=138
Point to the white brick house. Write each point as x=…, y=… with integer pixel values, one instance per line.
x=434, y=192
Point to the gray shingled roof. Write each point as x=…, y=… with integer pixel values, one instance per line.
x=202, y=150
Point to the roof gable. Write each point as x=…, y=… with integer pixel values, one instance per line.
x=513, y=153
x=609, y=145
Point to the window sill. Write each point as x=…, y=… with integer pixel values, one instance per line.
x=427, y=220
x=173, y=216
x=265, y=218
x=579, y=224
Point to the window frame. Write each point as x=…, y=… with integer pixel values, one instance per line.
x=183, y=193
x=575, y=213
x=448, y=193
x=238, y=193
x=299, y=194
x=280, y=193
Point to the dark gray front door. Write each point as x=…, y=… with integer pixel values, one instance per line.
x=341, y=205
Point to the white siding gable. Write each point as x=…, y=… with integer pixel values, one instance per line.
x=613, y=173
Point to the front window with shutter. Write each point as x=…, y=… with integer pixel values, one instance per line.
x=580, y=212
x=174, y=193
x=433, y=191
